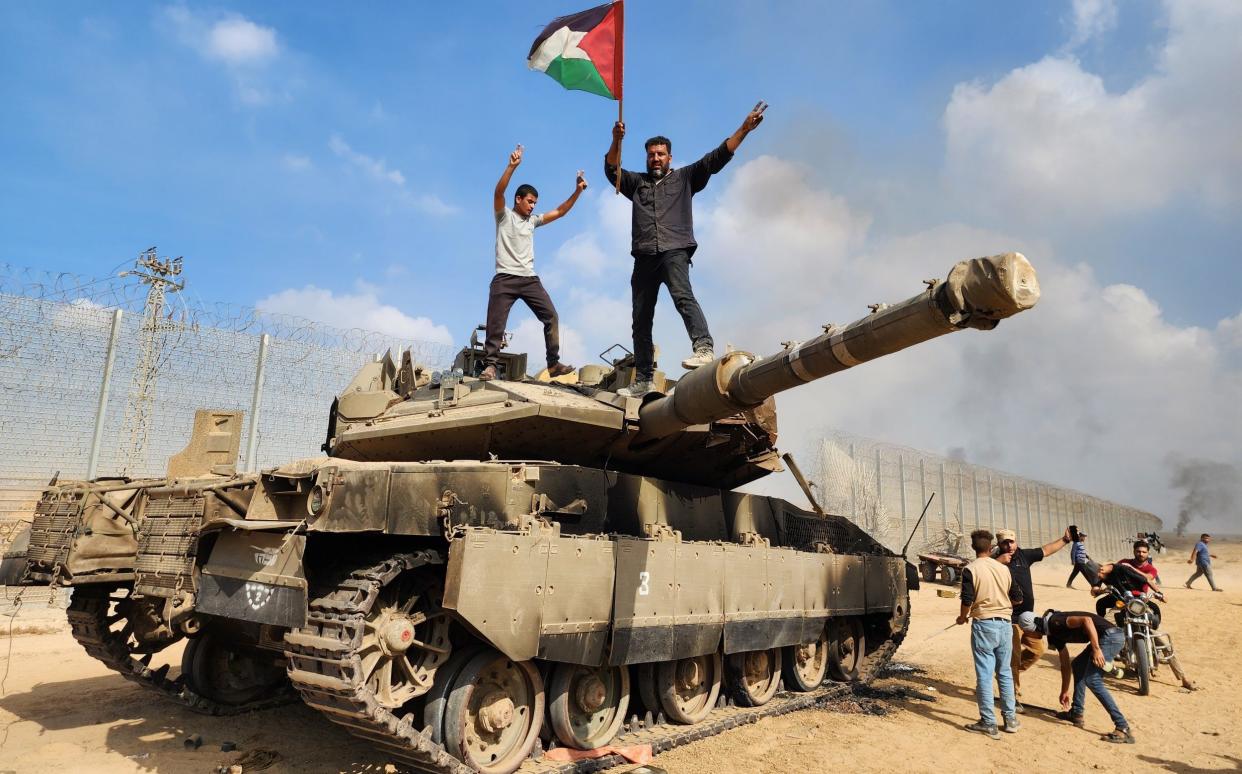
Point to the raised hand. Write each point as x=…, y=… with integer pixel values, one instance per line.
x=582, y=183
x=515, y=157
x=618, y=131
x=755, y=117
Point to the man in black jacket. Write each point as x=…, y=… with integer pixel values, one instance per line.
x=662, y=240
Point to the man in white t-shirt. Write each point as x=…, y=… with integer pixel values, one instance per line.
x=515, y=270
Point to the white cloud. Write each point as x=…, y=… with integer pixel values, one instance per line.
x=528, y=338
x=245, y=48
x=1050, y=140
x=1091, y=18
x=361, y=309
x=239, y=41
x=378, y=169
x=295, y=163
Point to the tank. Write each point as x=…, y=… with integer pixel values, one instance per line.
x=478, y=574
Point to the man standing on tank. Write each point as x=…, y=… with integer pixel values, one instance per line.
x=1026, y=650
x=515, y=269
x=662, y=240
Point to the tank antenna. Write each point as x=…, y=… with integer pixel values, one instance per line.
x=916, y=524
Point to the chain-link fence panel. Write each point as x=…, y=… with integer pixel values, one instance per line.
x=103, y=376
x=882, y=488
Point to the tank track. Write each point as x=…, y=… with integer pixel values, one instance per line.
x=325, y=669
x=87, y=613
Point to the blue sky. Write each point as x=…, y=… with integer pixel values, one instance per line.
x=339, y=163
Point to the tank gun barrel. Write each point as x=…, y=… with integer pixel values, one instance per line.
x=977, y=293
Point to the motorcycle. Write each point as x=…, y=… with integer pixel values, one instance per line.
x=1143, y=651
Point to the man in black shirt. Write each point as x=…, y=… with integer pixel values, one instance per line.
x=1087, y=668
x=1027, y=649
x=662, y=240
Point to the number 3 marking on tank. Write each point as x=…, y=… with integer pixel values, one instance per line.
x=644, y=581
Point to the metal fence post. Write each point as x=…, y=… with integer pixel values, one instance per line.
x=944, y=498
x=92, y=464
x=879, y=488
x=252, y=443
x=923, y=494
x=974, y=488
x=991, y=506
x=901, y=477
x=854, y=472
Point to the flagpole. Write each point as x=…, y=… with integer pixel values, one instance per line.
x=620, y=81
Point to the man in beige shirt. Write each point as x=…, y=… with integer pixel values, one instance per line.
x=988, y=596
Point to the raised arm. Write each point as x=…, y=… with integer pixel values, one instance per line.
x=515, y=158
x=752, y=120
x=568, y=204
x=613, y=156
x=1058, y=544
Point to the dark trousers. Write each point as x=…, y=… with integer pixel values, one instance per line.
x=1077, y=571
x=504, y=290
x=672, y=269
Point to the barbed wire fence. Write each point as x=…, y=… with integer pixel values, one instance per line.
x=83, y=359
x=882, y=488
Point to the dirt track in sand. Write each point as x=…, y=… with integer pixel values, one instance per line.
x=61, y=711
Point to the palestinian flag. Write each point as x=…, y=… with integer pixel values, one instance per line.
x=583, y=51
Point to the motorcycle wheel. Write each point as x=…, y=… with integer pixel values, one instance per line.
x=1142, y=666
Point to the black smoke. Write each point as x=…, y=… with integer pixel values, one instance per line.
x=1211, y=492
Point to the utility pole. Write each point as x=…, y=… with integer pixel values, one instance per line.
x=158, y=275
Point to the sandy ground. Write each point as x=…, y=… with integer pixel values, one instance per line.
x=61, y=711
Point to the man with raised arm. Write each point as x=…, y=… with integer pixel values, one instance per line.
x=515, y=269
x=662, y=240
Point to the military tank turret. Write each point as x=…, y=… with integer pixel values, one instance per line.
x=475, y=566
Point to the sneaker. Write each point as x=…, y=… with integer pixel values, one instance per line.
x=984, y=728
x=488, y=374
x=1218, y=590
x=701, y=357
x=559, y=369
x=1012, y=726
x=636, y=390
x=1069, y=585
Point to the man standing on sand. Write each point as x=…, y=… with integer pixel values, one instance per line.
x=1087, y=669
x=662, y=240
x=1025, y=650
x=515, y=270
x=1202, y=559
x=988, y=597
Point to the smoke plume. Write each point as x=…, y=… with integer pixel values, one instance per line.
x=1211, y=491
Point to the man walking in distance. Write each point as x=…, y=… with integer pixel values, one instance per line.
x=1202, y=559
x=1088, y=667
x=1078, y=555
x=662, y=240
x=1025, y=650
x=515, y=270
x=988, y=597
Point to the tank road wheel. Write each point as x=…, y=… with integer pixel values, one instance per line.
x=588, y=705
x=437, y=698
x=753, y=676
x=494, y=713
x=804, y=666
x=688, y=688
x=846, y=646
x=405, y=638
x=230, y=675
